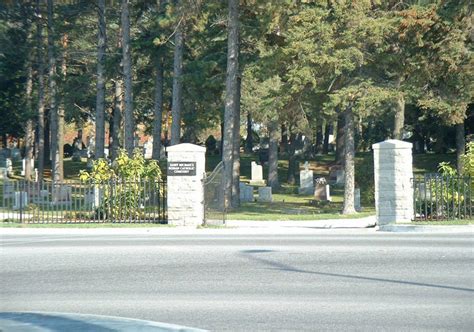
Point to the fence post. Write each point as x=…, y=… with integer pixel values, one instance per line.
x=185, y=196
x=393, y=174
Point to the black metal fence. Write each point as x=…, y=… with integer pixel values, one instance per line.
x=114, y=201
x=213, y=184
x=442, y=197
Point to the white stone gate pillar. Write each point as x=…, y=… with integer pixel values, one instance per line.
x=393, y=181
x=186, y=170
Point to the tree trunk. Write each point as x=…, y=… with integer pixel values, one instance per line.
x=319, y=139
x=29, y=128
x=100, y=97
x=230, y=97
x=460, y=147
x=158, y=110
x=291, y=159
x=56, y=148
x=349, y=153
x=284, y=139
x=327, y=132
x=177, y=86
x=47, y=139
x=61, y=114
x=274, y=135
x=399, y=118
x=127, y=73
x=236, y=150
x=249, y=139
x=340, y=138
x=40, y=113
x=116, y=119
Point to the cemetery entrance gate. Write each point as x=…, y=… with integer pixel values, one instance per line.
x=214, y=207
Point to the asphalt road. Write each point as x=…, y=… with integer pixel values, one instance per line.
x=327, y=280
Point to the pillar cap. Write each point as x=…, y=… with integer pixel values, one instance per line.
x=185, y=147
x=392, y=144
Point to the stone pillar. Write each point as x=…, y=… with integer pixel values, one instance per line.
x=186, y=170
x=393, y=181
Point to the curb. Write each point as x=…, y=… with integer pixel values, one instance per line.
x=425, y=229
x=323, y=224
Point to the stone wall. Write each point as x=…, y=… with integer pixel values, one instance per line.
x=393, y=181
x=185, y=192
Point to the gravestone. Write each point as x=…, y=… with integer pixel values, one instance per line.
x=148, y=149
x=357, y=199
x=23, y=166
x=246, y=192
x=3, y=167
x=265, y=194
x=62, y=195
x=3, y=173
x=257, y=175
x=77, y=147
x=306, y=181
x=322, y=190
x=9, y=167
x=93, y=198
x=90, y=146
x=21, y=200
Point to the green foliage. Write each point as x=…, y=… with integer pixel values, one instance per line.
x=124, y=168
x=124, y=184
x=467, y=159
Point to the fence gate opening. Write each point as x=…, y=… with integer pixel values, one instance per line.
x=141, y=201
x=442, y=197
x=214, y=208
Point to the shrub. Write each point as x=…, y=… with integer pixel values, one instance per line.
x=122, y=184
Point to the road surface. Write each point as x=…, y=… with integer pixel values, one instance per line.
x=323, y=280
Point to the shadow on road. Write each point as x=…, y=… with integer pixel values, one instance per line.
x=250, y=254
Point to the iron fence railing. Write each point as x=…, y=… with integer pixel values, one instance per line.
x=141, y=201
x=442, y=197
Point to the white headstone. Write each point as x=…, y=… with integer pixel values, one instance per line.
x=257, y=175
x=306, y=181
x=9, y=166
x=23, y=166
x=148, y=149
x=328, y=193
x=3, y=173
x=265, y=194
